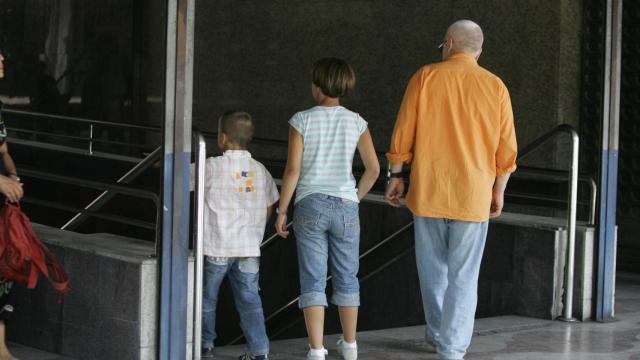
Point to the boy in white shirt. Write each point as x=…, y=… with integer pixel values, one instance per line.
x=239, y=197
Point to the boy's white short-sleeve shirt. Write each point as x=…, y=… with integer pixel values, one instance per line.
x=238, y=190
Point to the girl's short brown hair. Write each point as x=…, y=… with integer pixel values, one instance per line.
x=333, y=76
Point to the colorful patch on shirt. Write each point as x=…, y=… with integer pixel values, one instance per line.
x=245, y=181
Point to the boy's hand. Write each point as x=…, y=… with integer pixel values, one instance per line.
x=281, y=224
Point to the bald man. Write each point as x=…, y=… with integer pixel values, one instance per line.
x=455, y=128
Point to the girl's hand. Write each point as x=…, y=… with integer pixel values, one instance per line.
x=281, y=224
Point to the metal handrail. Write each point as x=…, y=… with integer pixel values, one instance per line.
x=75, y=138
x=275, y=142
x=545, y=138
x=73, y=150
x=272, y=237
x=80, y=120
x=98, y=215
x=545, y=174
x=198, y=241
x=126, y=190
x=109, y=189
x=572, y=207
x=362, y=256
x=103, y=198
x=523, y=195
x=90, y=122
x=112, y=188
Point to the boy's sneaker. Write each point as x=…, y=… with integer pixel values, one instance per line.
x=251, y=357
x=317, y=354
x=348, y=351
x=206, y=353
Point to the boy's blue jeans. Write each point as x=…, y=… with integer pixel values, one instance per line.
x=448, y=255
x=327, y=229
x=243, y=276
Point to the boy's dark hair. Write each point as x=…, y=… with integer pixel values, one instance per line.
x=238, y=125
x=333, y=76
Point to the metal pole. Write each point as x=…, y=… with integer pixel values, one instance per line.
x=571, y=228
x=198, y=244
x=172, y=344
x=609, y=163
x=165, y=336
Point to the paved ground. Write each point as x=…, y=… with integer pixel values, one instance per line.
x=503, y=338
x=499, y=338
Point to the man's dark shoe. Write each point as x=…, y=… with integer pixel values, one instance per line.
x=206, y=353
x=251, y=357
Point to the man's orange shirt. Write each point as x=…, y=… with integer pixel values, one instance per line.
x=455, y=126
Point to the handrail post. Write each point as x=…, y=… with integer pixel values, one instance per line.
x=594, y=201
x=91, y=139
x=571, y=211
x=198, y=246
x=571, y=228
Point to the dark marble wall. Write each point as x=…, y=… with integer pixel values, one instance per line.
x=257, y=55
x=517, y=274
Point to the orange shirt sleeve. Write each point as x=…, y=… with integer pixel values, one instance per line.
x=404, y=132
x=507, y=146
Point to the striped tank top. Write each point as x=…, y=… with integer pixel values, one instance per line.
x=331, y=136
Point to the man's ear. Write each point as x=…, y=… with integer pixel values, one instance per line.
x=478, y=55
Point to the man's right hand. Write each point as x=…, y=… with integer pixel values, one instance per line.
x=11, y=188
x=497, y=202
x=395, y=190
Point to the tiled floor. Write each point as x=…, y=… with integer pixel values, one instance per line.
x=500, y=338
x=504, y=338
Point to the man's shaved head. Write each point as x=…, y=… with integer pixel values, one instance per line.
x=467, y=37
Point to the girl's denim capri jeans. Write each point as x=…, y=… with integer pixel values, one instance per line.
x=327, y=230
